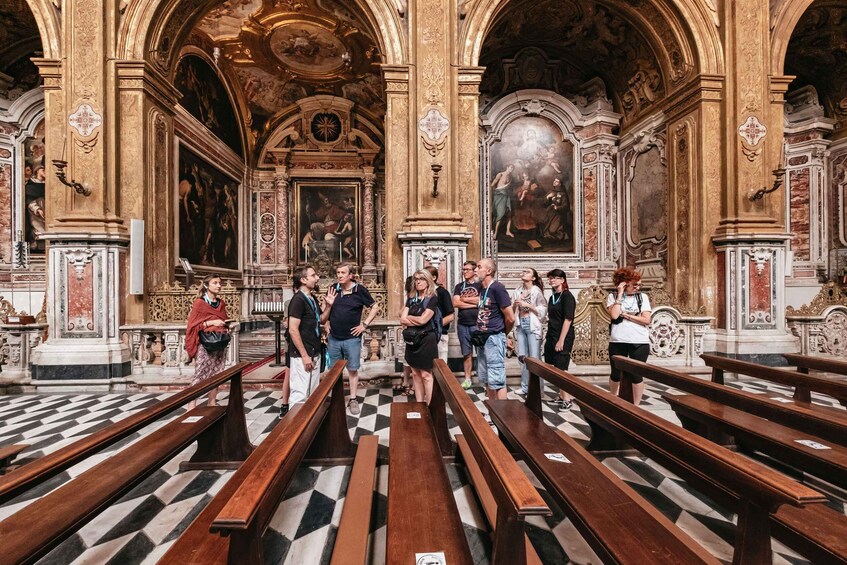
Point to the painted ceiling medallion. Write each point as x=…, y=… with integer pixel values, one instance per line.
x=85, y=120
x=752, y=131
x=308, y=49
x=326, y=127
x=434, y=124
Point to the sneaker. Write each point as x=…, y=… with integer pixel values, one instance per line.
x=353, y=405
x=565, y=404
x=283, y=411
x=466, y=384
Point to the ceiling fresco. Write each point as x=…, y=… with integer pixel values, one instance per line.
x=587, y=40
x=19, y=40
x=284, y=50
x=817, y=56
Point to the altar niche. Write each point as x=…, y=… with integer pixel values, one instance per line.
x=328, y=219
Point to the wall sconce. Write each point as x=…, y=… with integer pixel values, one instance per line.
x=80, y=188
x=436, y=170
x=779, y=178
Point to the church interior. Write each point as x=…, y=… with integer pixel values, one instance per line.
x=148, y=144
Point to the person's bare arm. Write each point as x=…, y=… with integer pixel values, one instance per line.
x=509, y=317
x=642, y=319
x=421, y=320
x=566, y=327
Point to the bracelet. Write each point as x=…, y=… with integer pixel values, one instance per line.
x=618, y=301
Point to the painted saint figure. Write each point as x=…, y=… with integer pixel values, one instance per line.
x=501, y=204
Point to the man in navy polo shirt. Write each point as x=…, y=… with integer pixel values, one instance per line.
x=345, y=300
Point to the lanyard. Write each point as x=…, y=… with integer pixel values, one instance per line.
x=314, y=306
x=484, y=297
x=555, y=300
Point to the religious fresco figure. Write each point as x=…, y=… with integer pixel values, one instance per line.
x=501, y=205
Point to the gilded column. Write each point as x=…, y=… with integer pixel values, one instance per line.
x=466, y=177
x=369, y=239
x=282, y=184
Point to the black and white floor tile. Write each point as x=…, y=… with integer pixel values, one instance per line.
x=142, y=525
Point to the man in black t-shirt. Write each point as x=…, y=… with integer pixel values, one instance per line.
x=466, y=301
x=558, y=344
x=445, y=304
x=345, y=301
x=304, y=328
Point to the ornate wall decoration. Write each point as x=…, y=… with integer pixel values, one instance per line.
x=434, y=124
x=85, y=120
x=591, y=326
x=646, y=194
x=821, y=324
x=172, y=302
x=752, y=130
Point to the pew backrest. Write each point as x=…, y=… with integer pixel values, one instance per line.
x=38, y=471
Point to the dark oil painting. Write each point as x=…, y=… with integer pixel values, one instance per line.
x=208, y=213
x=531, y=189
x=205, y=98
x=35, y=176
x=327, y=222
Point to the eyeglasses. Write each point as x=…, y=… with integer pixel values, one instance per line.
x=420, y=279
x=467, y=268
x=555, y=278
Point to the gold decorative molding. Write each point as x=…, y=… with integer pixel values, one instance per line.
x=831, y=294
x=172, y=302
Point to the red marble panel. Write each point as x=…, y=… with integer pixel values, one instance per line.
x=799, y=210
x=80, y=285
x=5, y=213
x=722, y=290
x=589, y=184
x=759, y=290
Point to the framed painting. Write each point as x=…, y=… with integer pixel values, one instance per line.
x=531, y=188
x=327, y=221
x=34, y=176
x=208, y=213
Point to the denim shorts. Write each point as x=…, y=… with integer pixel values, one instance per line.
x=464, y=333
x=491, y=362
x=349, y=349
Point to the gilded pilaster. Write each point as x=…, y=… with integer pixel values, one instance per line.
x=399, y=160
x=282, y=184
x=369, y=181
x=466, y=177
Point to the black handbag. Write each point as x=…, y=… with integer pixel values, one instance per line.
x=414, y=336
x=215, y=341
x=479, y=339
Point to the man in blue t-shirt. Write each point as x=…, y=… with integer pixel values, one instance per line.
x=345, y=301
x=466, y=303
x=494, y=320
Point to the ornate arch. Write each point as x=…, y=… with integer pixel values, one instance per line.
x=694, y=26
x=49, y=27
x=783, y=22
x=153, y=30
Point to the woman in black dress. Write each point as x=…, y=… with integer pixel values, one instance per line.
x=420, y=334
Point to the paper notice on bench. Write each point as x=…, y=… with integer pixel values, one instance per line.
x=812, y=444
x=433, y=558
x=557, y=457
x=192, y=419
x=413, y=416
x=782, y=399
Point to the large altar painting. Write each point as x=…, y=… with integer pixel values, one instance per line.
x=327, y=222
x=531, y=189
x=208, y=213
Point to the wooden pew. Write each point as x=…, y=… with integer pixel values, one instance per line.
x=8, y=454
x=223, y=446
x=800, y=416
x=814, y=531
x=33, y=531
x=753, y=489
x=422, y=513
x=497, y=476
x=351, y=540
x=713, y=421
x=315, y=429
x=803, y=383
x=804, y=363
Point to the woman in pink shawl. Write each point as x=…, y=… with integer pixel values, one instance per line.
x=208, y=314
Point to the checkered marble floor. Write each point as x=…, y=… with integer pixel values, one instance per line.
x=144, y=523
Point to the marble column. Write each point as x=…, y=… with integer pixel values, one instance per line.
x=368, y=232
x=603, y=238
x=283, y=235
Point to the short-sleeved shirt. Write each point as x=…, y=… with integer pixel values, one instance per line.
x=445, y=304
x=467, y=316
x=560, y=307
x=346, y=312
x=417, y=306
x=626, y=331
x=491, y=300
x=306, y=309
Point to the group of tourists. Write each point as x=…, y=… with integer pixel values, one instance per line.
x=485, y=313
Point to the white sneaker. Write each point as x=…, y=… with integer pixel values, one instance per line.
x=467, y=384
x=353, y=406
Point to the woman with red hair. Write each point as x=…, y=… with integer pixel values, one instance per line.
x=629, y=333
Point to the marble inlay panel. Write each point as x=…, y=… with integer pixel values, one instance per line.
x=799, y=214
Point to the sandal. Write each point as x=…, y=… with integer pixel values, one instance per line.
x=400, y=389
x=410, y=391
